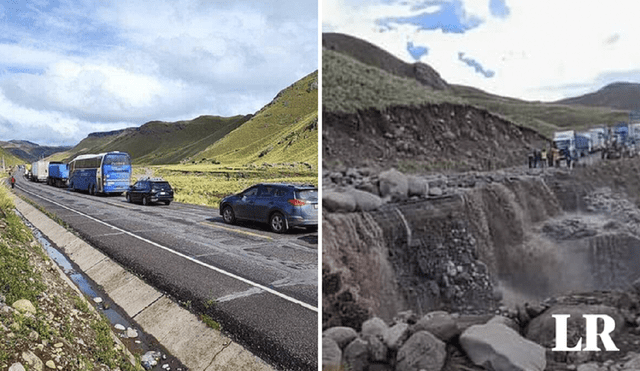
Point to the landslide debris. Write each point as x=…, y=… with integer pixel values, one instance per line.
x=549, y=241
x=427, y=138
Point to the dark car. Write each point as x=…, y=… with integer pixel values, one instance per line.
x=281, y=205
x=148, y=190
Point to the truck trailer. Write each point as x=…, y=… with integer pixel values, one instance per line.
x=39, y=171
x=58, y=174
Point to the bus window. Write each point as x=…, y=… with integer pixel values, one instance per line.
x=117, y=159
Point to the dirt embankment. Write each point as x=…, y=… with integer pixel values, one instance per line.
x=427, y=138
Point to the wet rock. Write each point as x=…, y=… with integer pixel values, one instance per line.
x=341, y=335
x=97, y=300
x=377, y=349
x=338, y=202
x=374, y=327
x=393, y=185
x=50, y=364
x=17, y=367
x=331, y=353
x=440, y=324
x=422, y=351
x=365, y=201
x=150, y=359
x=131, y=333
x=435, y=192
x=417, y=186
x=396, y=335
x=24, y=306
x=119, y=327
x=356, y=355
x=500, y=348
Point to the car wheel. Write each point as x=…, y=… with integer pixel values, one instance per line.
x=167, y=203
x=145, y=200
x=128, y=197
x=277, y=223
x=228, y=215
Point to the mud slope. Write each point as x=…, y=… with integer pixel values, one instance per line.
x=427, y=138
x=505, y=238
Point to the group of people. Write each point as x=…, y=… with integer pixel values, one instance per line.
x=543, y=158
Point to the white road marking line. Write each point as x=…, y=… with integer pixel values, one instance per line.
x=221, y=271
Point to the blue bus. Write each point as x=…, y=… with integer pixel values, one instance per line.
x=103, y=173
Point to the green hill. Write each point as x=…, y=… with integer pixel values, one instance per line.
x=284, y=131
x=10, y=159
x=358, y=75
x=159, y=142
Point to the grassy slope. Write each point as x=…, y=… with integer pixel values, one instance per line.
x=543, y=117
x=9, y=159
x=284, y=131
x=161, y=142
x=349, y=85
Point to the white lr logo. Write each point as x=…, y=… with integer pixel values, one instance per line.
x=591, y=333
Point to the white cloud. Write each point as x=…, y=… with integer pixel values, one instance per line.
x=128, y=62
x=542, y=46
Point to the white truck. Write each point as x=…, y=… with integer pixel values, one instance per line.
x=39, y=171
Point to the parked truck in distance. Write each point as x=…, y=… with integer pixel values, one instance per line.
x=39, y=171
x=58, y=174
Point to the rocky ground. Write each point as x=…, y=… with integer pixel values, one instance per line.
x=44, y=323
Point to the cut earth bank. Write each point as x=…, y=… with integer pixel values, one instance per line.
x=520, y=243
x=59, y=330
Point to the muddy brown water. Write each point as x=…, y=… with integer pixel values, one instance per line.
x=519, y=240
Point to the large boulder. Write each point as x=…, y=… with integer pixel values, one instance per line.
x=440, y=324
x=365, y=201
x=500, y=348
x=338, y=201
x=396, y=335
x=356, y=355
x=422, y=351
x=331, y=354
x=417, y=186
x=341, y=335
x=393, y=185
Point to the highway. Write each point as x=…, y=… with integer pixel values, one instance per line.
x=260, y=286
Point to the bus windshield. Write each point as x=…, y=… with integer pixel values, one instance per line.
x=117, y=159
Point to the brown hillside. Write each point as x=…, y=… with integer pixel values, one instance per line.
x=620, y=95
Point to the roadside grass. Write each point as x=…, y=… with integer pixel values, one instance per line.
x=210, y=322
x=206, y=184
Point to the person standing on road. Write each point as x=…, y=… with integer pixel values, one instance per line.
x=543, y=157
x=13, y=182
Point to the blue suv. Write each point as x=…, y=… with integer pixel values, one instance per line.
x=281, y=205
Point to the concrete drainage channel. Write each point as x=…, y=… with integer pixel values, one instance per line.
x=154, y=355
x=182, y=339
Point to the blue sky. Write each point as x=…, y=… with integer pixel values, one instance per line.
x=530, y=49
x=74, y=67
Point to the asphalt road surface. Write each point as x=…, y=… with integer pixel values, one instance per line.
x=260, y=286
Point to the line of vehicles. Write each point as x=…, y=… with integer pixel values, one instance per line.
x=282, y=206
x=619, y=140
